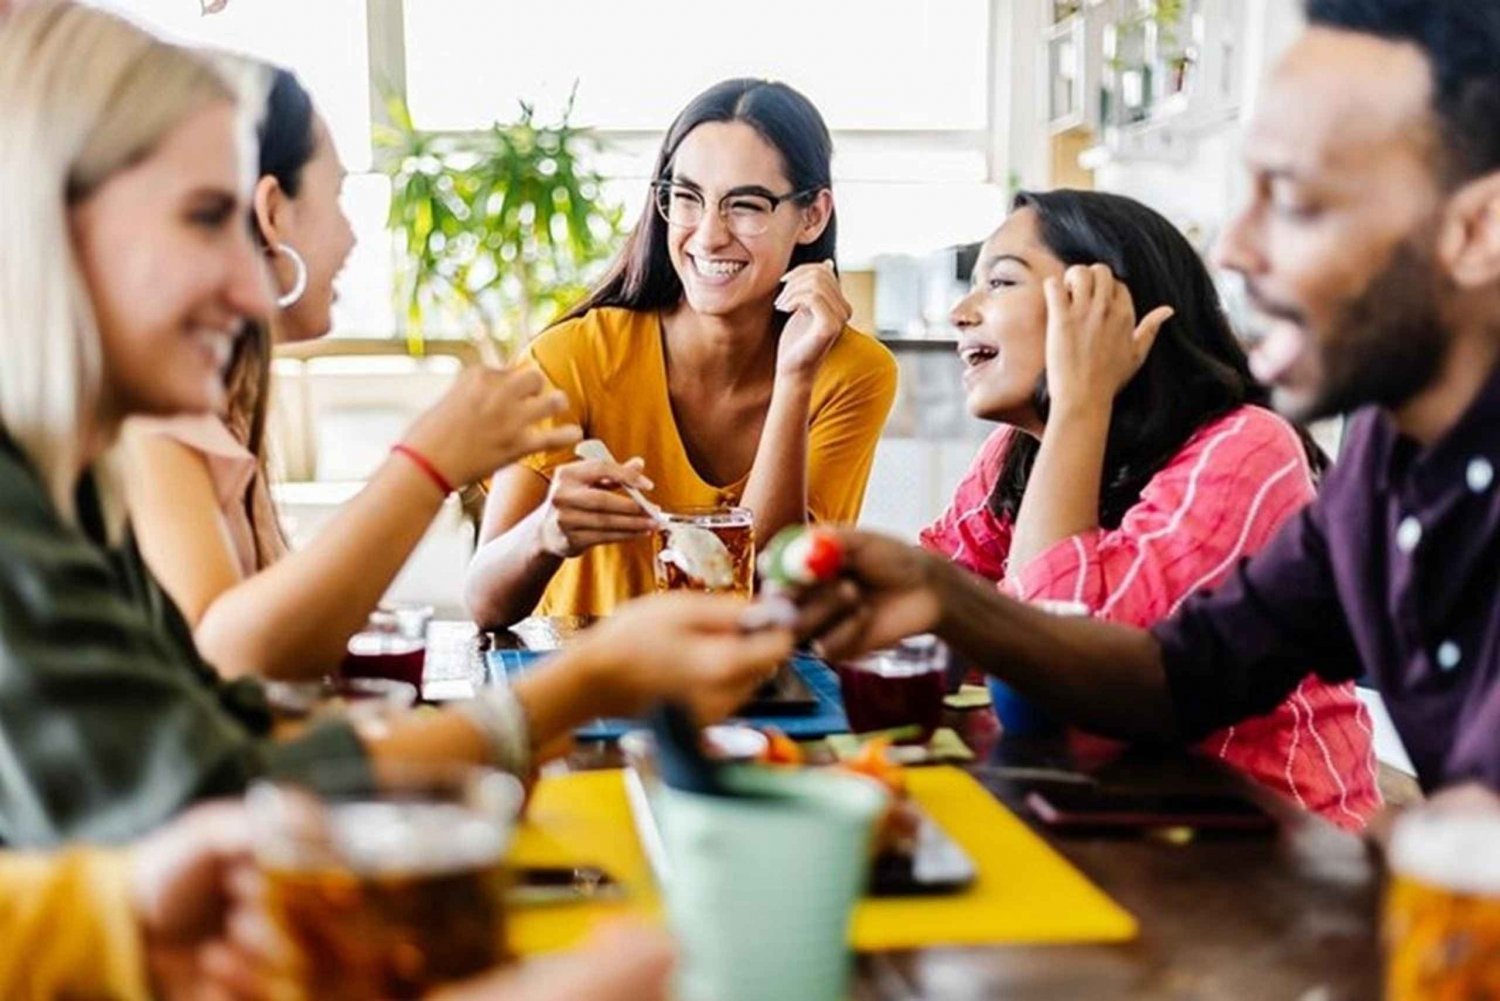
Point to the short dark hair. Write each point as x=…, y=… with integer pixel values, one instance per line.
x=288, y=141
x=1461, y=40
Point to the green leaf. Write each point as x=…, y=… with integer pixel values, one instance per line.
x=498, y=228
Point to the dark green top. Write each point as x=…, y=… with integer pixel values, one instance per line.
x=110, y=722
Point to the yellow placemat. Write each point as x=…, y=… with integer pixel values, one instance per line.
x=1026, y=892
x=575, y=819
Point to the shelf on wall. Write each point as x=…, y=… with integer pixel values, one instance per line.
x=1150, y=89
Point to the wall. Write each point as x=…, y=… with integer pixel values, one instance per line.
x=1201, y=193
x=1197, y=195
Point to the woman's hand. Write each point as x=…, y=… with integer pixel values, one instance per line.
x=489, y=418
x=684, y=646
x=813, y=296
x=1094, y=345
x=583, y=509
x=205, y=931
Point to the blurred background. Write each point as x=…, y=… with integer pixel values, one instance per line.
x=498, y=150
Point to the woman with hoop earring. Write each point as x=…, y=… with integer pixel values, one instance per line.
x=197, y=486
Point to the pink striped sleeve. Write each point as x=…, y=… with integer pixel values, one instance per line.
x=967, y=532
x=1218, y=500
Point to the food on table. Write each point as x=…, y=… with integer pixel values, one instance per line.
x=698, y=551
x=802, y=555
x=781, y=749
x=897, y=829
x=722, y=559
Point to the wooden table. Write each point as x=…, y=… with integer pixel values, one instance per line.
x=1289, y=917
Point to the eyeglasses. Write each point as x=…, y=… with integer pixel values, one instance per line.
x=745, y=213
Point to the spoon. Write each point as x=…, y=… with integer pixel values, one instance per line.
x=700, y=553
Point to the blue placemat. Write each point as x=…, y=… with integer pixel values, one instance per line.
x=827, y=718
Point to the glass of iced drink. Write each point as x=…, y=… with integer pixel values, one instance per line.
x=734, y=526
x=388, y=890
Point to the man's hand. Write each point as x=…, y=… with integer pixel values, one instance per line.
x=888, y=590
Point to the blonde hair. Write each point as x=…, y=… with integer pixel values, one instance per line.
x=83, y=95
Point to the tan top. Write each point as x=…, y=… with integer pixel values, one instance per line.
x=244, y=499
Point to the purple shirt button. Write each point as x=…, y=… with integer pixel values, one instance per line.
x=1448, y=655
x=1408, y=534
x=1480, y=475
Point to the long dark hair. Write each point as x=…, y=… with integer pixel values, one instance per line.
x=288, y=141
x=1196, y=372
x=642, y=276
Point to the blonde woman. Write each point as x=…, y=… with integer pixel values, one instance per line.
x=126, y=276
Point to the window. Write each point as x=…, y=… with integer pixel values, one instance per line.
x=879, y=64
x=326, y=44
x=323, y=42
x=904, y=86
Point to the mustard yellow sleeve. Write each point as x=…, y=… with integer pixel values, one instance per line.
x=565, y=357
x=846, y=427
x=68, y=927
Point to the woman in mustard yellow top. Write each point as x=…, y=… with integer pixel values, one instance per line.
x=716, y=355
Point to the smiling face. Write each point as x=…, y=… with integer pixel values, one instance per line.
x=723, y=273
x=1337, y=244
x=170, y=308
x=1002, y=323
x=314, y=223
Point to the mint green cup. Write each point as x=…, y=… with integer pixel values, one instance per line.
x=761, y=889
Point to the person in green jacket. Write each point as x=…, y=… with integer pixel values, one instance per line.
x=126, y=273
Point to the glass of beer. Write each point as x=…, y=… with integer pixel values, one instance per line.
x=388, y=890
x=735, y=527
x=1442, y=907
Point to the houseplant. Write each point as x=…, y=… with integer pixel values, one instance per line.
x=498, y=229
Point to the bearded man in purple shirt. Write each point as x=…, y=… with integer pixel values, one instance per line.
x=1371, y=242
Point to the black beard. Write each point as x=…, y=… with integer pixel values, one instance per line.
x=1390, y=341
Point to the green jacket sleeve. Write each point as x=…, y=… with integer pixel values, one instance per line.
x=109, y=721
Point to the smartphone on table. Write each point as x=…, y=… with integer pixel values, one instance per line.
x=1101, y=808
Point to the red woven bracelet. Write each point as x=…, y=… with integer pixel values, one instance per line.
x=425, y=465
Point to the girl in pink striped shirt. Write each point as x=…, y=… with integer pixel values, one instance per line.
x=1135, y=463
